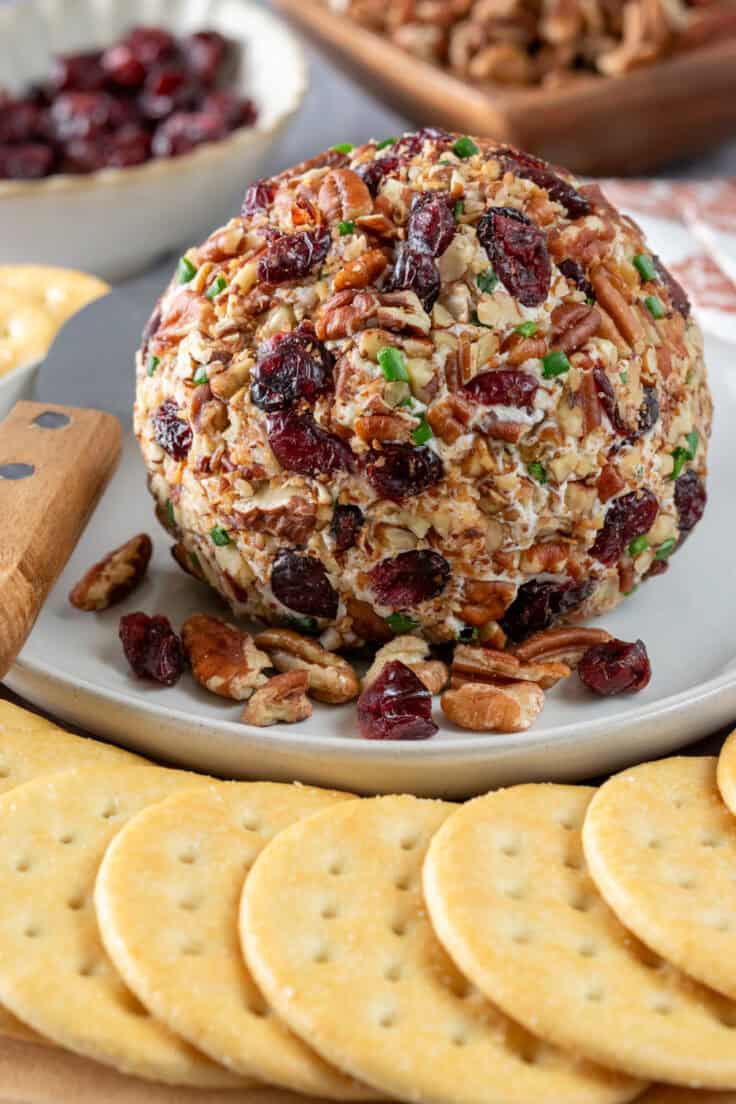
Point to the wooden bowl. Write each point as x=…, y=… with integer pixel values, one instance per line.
x=601, y=125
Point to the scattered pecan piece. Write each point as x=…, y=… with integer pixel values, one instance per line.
x=485, y=665
x=224, y=660
x=331, y=678
x=362, y=271
x=114, y=578
x=485, y=601
x=282, y=700
x=366, y=623
x=486, y=708
x=412, y=651
x=563, y=645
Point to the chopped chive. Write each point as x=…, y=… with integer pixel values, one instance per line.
x=555, y=364
x=637, y=545
x=422, y=433
x=393, y=364
x=526, y=329
x=170, y=511
x=401, y=622
x=692, y=443
x=628, y=593
x=386, y=142
x=185, y=271
x=590, y=301
x=343, y=147
x=153, y=363
x=645, y=266
x=218, y=284
x=537, y=471
x=307, y=625
x=200, y=376
x=464, y=147
x=655, y=306
x=487, y=281
x=624, y=377
x=665, y=549
x=219, y=536
x=346, y=227
x=468, y=634
x=458, y=209
x=444, y=161
x=680, y=458
x=194, y=561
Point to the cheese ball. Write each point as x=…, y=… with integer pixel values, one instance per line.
x=430, y=384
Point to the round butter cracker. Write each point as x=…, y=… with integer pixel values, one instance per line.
x=726, y=773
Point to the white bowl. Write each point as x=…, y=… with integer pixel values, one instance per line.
x=17, y=384
x=118, y=221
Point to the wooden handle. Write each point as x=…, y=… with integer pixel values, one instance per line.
x=55, y=461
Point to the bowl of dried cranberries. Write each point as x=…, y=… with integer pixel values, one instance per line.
x=117, y=135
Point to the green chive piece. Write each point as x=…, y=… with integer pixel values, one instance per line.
x=346, y=228
x=680, y=458
x=444, y=161
x=343, y=147
x=386, y=142
x=306, y=625
x=401, y=623
x=555, y=364
x=655, y=306
x=645, y=266
x=468, y=634
x=200, y=376
x=219, y=536
x=458, y=210
x=526, y=329
x=487, y=281
x=393, y=364
x=665, y=549
x=465, y=147
x=692, y=443
x=537, y=471
x=185, y=271
x=219, y=284
x=422, y=433
x=153, y=363
x=170, y=511
x=624, y=377
x=637, y=545
x=628, y=593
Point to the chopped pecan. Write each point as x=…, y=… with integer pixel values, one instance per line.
x=331, y=678
x=609, y=483
x=485, y=600
x=292, y=520
x=344, y=196
x=552, y=556
x=224, y=660
x=572, y=325
x=520, y=348
x=562, y=645
x=383, y=427
x=349, y=311
x=185, y=311
x=412, y=651
x=485, y=708
x=472, y=664
x=282, y=700
x=115, y=577
x=449, y=417
x=501, y=429
x=590, y=403
x=366, y=623
x=188, y=562
x=378, y=224
x=612, y=300
x=362, y=271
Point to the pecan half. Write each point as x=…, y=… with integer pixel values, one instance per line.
x=114, y=578
x=283, y=700
x=224, y=660
x=343, y=195
x=412, y=651
x=563, y=645
x=572, y=325
x=331, y=678
x=362, y=271
x=485, y=665
x=188, y=562
x=484, y=708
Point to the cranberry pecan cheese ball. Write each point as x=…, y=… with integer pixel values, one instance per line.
x=427, y=384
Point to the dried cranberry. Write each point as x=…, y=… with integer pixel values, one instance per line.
x=431, y=226
x=292, y=256
x=205, y=52
x=89, y=114
x=152, y=648
x=234, y=111
x=410, y=578
x=412, y=144
x=517, y=250
x=151, y=45
x=607, y=399
x=123, y=67
x=627, y=517
x=27, y=162
x=574, y=272
x=543, y=175
x=658, y=567
x=347, y=521
x=301, y=584
x=289, y=367
x=172, y=433
x=648, y=411
x=398, y=470
x=184, y=131
x=300, y=445
x=397, y=706
x=538, y=604
x=167, y=90
x=258, y=197
x=678, y=295
x=22, y=121
x=690, y=500
x=504, y=387
x=417, y=272
x=130, y=145
x=615, y=667
x=373, y=172
x=78, y=72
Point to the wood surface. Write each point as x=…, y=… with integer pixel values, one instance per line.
x=601, y=125
x=42, y=516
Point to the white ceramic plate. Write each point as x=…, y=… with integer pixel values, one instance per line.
x=73, y=666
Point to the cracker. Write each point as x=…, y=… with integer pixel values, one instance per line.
x=54, y=972
x=183, y=862
x=512, y=901
x=661, y=846
x=35, y=302
x=336, y=934
x=727, y=772
x=671, y=1094
x=31, y=747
